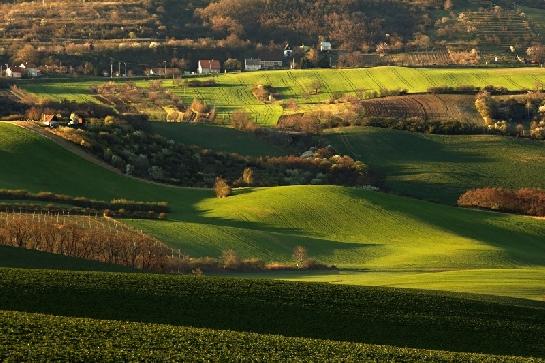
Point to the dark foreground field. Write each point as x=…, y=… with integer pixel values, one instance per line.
x=403, y=318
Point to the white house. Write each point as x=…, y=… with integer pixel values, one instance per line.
x=209, y=66
x=288, y=52
x=325, y=46
x=14, y=72
x=32, y=72
x=252, y=64
x=272, y=64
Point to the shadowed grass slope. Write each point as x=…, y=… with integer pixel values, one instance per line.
x=441, y=168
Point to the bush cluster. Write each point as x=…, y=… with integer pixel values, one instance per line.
x=419, y=124
x=83, y=202
x=136, y=152
x=468, y=89
x=66, y=210
x=199, y=83
x=523, y=201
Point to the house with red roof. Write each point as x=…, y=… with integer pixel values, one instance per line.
x=209, y=66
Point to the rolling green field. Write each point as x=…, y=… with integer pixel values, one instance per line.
x=399, y=317
x=441, y=168
x=233, y=91
x=73, y=339
x=349, y=227
x=218, y=138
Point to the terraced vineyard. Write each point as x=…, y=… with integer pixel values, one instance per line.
x=234, y=90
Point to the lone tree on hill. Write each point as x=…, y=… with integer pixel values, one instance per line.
x=300, y=256
x=222, y=189
x=248, y=176
x=232, y=64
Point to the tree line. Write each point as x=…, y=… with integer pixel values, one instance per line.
x=526, y=201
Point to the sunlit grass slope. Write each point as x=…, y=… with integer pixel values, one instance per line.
x=343, y=226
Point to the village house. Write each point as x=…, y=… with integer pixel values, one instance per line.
x=325, y=46
x=288, y=52
x=22, y=71
x=162, y=71
x=14, y=72
x=252, y=64
x=207, y=66
x=272, y=64
x=50, y=120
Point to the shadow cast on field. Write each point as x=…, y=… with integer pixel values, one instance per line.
x=517, y=246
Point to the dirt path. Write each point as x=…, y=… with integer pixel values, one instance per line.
x=69, y=146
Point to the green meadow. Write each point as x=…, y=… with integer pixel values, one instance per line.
x=234, y=90
x=439, y=167
x=351, y=228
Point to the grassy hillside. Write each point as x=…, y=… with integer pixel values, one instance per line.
x=440, y=168
x=20, y=258
x=233, y=91
x=409, y=318
x=73, y=339
x=343, y=226
x=520, y=282
x=218, y=138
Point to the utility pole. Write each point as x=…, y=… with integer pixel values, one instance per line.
x=111, y=68
x=119, y=69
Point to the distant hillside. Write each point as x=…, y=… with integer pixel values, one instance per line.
x=86, y=35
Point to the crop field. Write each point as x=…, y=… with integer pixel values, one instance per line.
x=343, y=226
x=409, y=318
x=440, y=168
x=73, y=339
x=431, y=107
x=234, y=90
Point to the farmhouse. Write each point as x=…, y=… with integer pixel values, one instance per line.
x=272, y=64
x=162, y=71
x=22, y=71
x=209, y=66
x=325, y=46
x=14, y=72
x=50, y=120
x=252, y=64
x=288, y=52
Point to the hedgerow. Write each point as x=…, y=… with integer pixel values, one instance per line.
x=115, y=204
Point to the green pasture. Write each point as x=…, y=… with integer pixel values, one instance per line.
x=234, y=90
x=218, y=138
x=348, y=227
x=440, y=167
